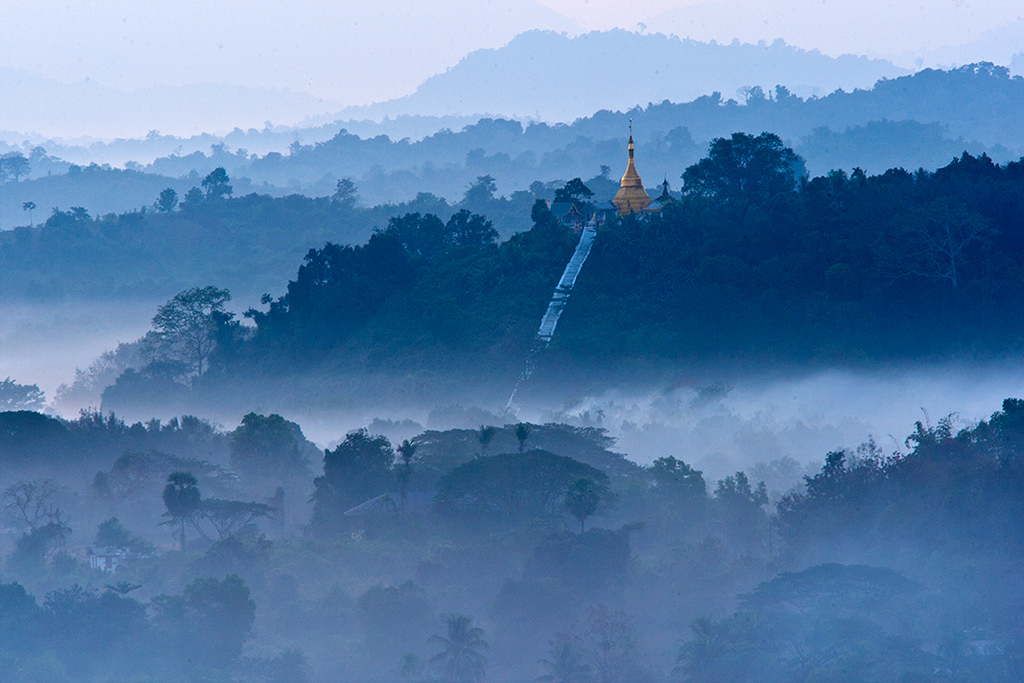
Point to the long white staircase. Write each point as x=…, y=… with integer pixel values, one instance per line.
x=558, y=301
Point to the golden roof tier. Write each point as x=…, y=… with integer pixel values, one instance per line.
x=631, y=197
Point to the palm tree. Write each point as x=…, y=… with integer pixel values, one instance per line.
x=460, y=660
x=522, y=431
x=29, y=206
x=486, y=436
x=566, y=662
x=582, y=499
x=697, y=655
x=182, y=499
x=404, y=471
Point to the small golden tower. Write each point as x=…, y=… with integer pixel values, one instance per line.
x=631, y=197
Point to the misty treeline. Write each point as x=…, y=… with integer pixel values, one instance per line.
x=921, y=120
x=519, y=552
x=754, y=260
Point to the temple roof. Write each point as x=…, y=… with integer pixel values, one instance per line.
x=631, y=197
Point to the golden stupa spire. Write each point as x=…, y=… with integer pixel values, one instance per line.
x=631, y=197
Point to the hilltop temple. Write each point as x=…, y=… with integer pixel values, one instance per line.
x=631, y=197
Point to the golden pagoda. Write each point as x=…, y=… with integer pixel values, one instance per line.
x=631, y=197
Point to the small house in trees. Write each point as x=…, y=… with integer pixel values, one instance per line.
x=107, y=559
x=568, y=215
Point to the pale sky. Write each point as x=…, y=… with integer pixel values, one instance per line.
x=361, y=51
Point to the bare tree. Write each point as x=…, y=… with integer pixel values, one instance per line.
x=31, y=503
x=228, y=517
x=935, y=238
x=186, y=325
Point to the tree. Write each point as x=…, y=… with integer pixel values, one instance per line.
x=193, y=198
x=182, y=500
x=345, y=194
x=522, y=432
x=566, y=661
x=357, y=470
x=465, y=229
x=228, y=517
x=514, y=487
x=697, y=656
x=480, y=193
x=613, y=645
x=31, y=503
x=486, y=435
x=741, y=510
x=427, y=236
x=30, y=207
x=167, y=201
x=574, y=191
x=220, y=618
x=744, y=168
x=582, y=499
x=186, y=326
x=14, y=396
x=391, y=617
x=16, y=165
x=680, y=485
x=403, y=472
x=216, y=184
x=935, y=238
x=268, y=446
x=113, y=534
x=460, y=659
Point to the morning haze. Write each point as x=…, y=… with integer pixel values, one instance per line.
x=568, y=341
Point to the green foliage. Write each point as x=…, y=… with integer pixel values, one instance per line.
x=182, y=499
x=14, y=396
x=185, y=326
x=221, y=616
x=744, y=168
x=515, y=487
x=113, y=534
x=574, y=191
x=585, y=563
x=394, y=618
x=28, y=435
x=581, y=500
x=461, y=659
x=345, y=194
x=229, y=517
x=428, y=237
x=566, y=661
x=830, y=622
x=268, y=446
x=167, y=201
x=216, y=184
x=357, y=470
x=677, y=479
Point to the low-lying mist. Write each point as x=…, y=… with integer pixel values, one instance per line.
x=43, y=343
x=719, y=424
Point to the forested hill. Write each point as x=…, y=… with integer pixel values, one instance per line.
x=914, y=121
x=751, y=263
x=559, y=78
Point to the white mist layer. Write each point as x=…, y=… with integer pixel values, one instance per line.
x=44, y=344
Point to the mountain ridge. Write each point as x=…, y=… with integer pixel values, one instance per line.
x=507, y=81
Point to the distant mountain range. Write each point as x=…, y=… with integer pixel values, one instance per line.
x=538, y=75
x=36, y=107
x=554, y=77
